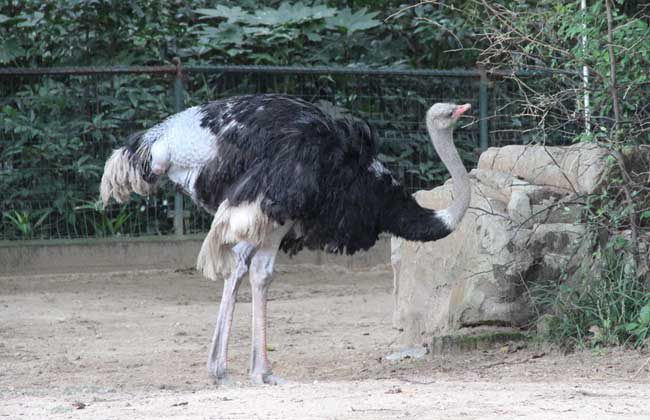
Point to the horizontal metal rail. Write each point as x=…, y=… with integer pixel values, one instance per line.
x=171, y=69
x=330, y=70
x=85, y=71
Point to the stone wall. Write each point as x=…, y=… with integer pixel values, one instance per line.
x=155, y=252
x=522, y=225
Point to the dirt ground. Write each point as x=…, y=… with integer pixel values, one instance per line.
x=133, y=345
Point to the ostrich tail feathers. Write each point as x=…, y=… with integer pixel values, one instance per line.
x=231, y=225
x=122, y=176
x=214, y=258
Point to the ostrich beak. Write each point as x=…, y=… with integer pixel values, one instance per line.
x=460, y=110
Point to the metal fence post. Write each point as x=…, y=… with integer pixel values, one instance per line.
x=483, y=110
x=178, y=107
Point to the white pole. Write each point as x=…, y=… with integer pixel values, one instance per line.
x=585, y=73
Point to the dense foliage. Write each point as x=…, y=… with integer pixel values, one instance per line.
x=94, y=32
x=56, y=131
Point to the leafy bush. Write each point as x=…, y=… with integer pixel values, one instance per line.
x=26, y=224
x=610, y=40
x=55, y=136
x=69, y=32
x=605, y=304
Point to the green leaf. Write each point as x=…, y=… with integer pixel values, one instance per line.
x=10, y=49
x=349, y=22
x=290, y=14
x=313, y=36
x=644, y=315
x=42, y=218
x=30, y=20
x=386, y=158
x=232, y=14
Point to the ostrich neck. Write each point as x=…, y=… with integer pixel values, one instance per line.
x=404, y=217
x=443, y=143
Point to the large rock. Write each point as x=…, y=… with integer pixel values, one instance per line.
x=517, y=230
x=577, y=168
x=469, y=278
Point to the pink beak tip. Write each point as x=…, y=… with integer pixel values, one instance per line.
x=461, y=110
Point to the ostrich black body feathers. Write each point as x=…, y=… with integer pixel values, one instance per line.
x=311, y=168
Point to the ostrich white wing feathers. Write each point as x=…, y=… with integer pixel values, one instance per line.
x=182, y=141
x=180, y=147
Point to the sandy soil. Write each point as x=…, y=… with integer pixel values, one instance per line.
x=133, y=346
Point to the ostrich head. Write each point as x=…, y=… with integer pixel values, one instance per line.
x=442, y=116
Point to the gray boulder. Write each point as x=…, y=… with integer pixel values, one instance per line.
x=518, y=229
x=577, y=168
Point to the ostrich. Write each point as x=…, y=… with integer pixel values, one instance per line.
x=279, y=173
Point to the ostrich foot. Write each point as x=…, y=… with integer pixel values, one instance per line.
x=218, y=374
x=266, y=378
x=223, y=380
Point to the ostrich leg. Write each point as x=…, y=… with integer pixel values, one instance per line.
x=218, y=357
x=261, y=275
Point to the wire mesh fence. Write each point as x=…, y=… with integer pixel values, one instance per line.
x=59, y=125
